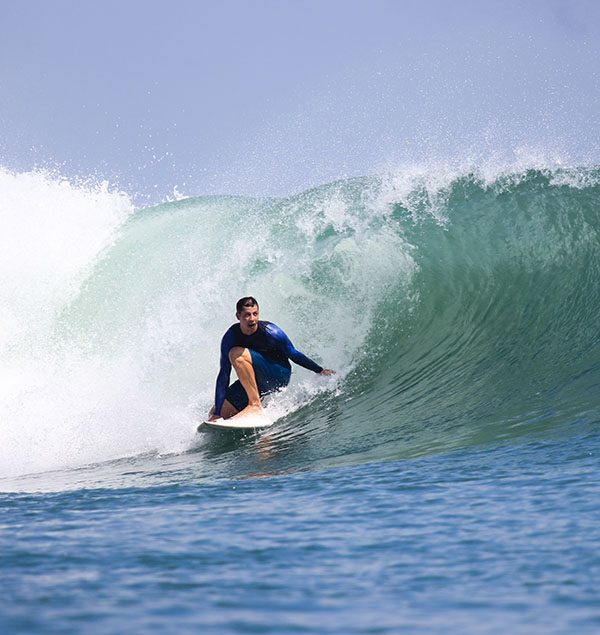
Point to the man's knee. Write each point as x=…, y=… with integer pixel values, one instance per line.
x=239, y=353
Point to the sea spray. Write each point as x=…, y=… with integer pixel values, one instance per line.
x=52, y=233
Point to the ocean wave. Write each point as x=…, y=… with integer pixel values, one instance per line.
x=459, y=307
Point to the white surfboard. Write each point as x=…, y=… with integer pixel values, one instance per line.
x=244, y=423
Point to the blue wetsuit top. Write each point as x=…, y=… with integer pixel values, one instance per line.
x=268, y=340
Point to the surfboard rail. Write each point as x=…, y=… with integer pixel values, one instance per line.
x=245, y=423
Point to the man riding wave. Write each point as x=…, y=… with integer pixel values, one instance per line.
x=259, y=352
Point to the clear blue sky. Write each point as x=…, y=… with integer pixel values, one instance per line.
x=271, y=96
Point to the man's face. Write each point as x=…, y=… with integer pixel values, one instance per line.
x=248, y=319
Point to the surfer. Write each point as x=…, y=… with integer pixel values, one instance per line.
x=259, y=351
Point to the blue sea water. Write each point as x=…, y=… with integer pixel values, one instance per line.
x=445, y=480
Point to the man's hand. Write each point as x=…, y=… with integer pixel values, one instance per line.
x=327, y=371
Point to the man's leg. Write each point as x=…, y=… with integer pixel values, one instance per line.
x=241, y=360
x=227, y=410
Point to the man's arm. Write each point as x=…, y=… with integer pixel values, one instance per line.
x=285, y=345
x=224, y=374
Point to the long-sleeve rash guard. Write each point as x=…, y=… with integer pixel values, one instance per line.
x=268, y=340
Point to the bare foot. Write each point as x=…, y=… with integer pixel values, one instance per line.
x=249, y=411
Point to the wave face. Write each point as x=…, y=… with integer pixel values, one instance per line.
x=459, y=308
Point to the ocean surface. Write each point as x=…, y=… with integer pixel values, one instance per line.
x=446, y=479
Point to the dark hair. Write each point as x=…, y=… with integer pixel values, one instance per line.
x=247, y=301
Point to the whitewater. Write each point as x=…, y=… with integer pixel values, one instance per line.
x=444, y=479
